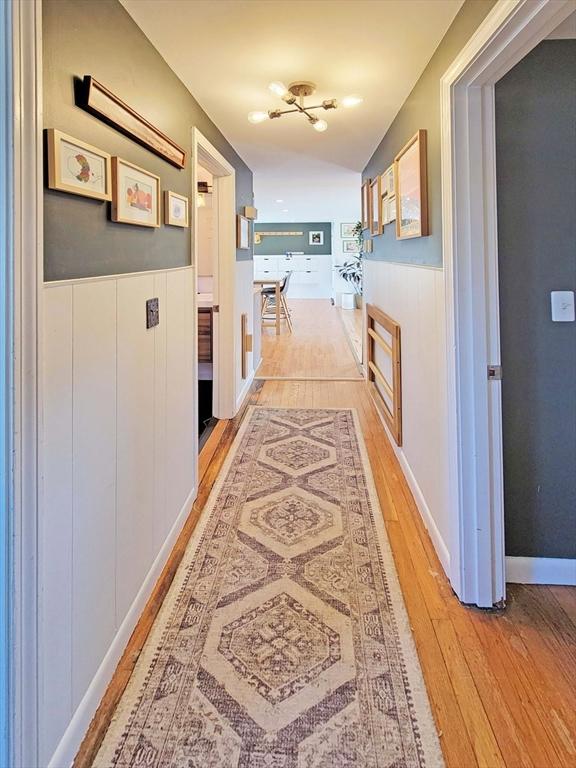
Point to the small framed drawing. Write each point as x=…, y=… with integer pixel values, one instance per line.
x=350, y=246
x=411, y=189
x=347, y=230
x=77, y=167
x=316, y=238
x=390, y=208
x=388, y=186
x=135, y=195
x=376, y=207
x=366, y=204
x=175, y=209
x=242, y=232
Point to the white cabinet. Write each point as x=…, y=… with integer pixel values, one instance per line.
x=311, y=275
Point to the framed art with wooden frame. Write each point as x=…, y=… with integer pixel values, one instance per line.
x=135, y=195
x=376, y=225
x=411, y=188
x=175, y=209
x=242, y=232
x=388, y=186
x=365, y=191
x=77, y=167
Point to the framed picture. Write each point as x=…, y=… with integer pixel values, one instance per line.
x=388, y=186
x=175, y=209
x=350, y=246
x=243, y=229
x=411, y=189
x=135, y=194
x=366, y=204
x=316, y=238
x=101, y=102
x=390, y=209
x=375, y=207
x=347, y=230
x=77, y=167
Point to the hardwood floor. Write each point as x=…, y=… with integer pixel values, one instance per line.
x=500, y=683
x=352, y=322
x=318, y=347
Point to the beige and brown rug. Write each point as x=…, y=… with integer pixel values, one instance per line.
x=284, y=641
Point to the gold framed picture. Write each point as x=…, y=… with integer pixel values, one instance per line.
x=389, y=209
x=243, y=229
x=135, y=194
x=411, y=188
x=376, y=207
x=175, y=209
x=365, y=191
x=77, y=167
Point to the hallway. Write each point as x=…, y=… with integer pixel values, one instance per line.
x=499, y=683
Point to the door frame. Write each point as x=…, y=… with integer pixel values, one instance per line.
x=204, y=153
x=470, y=247
x=23, y=268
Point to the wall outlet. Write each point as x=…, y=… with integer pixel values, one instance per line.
x=152, y=313
x=562, y=303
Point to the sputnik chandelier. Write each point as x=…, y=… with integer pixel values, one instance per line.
x=294, y=95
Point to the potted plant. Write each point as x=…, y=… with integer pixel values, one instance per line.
x=351, y=270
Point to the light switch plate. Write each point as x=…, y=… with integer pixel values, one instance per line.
x=562, y=303
x=152, y=313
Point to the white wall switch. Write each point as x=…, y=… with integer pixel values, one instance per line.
x=562, y=303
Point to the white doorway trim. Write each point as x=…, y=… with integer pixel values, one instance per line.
x=224, y=291
x=508, y=33
x=25, y=112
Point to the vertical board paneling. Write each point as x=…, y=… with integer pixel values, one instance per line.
x=135, y=440
x=94, y=479
x=179, y=386
x=56, y=523
x=162, y=514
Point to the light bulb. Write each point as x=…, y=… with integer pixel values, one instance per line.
x=320, y=125
x=351, y=101
x=278, y=88
x=257, y=117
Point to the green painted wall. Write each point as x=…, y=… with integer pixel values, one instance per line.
x=271, y=246
x=99, y=38
x=422, y=110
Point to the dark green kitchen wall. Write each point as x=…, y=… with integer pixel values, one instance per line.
x=271, y=246
x=99, y=38
x=422, y=110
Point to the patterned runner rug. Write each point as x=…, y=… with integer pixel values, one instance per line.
x=284, y=641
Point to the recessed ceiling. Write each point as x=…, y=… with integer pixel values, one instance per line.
x=227, y=51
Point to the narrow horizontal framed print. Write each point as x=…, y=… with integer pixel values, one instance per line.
x=376, y=225
x=243, y=229
x=135, y=194
x=175, y=209
x=412, y=189
x=77, y=167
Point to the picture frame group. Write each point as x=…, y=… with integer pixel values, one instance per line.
x=79, y=168
x=400, y=193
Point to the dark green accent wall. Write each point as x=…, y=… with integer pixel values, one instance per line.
x=422, y=110
x=270, y=246
x=99, y=38
x=536, y=171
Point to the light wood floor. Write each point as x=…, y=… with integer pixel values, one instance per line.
x=352, y=322
x=500, y=683
x=318, y=347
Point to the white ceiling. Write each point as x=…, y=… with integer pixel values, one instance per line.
x=227, y=51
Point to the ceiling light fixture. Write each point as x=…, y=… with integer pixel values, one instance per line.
x=294, y=95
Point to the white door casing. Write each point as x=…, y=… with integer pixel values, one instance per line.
x=470, y=239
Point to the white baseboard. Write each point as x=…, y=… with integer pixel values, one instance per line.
x=72, y=738
x=244, y=391
x=541, y=570
x=425, y=514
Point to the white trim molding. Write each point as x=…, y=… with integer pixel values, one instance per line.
x=469, y=231
x=541, y=570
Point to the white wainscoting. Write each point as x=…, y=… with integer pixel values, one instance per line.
x=414, y=297
x=118, y=477
x=541, y=570
x=244, y=305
